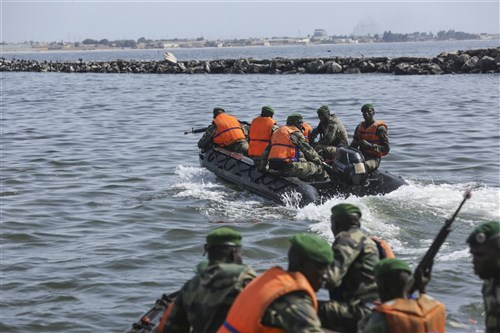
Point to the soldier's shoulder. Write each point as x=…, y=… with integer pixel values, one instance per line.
x=351, y=236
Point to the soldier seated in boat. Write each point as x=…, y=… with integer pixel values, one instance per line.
x=281, y=300
x=259, y=136
x=351, y=280
x=370, y=136
x=204, y=301
x=226, y=132
x=290, y=154
x=484, y=243
x=332, y=134
x=397, y=313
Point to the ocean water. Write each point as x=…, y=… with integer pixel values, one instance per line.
x=104, y=206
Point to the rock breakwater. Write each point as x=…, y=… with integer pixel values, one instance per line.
x=470, y=61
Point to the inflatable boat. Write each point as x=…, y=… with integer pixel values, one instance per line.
x=347, y=177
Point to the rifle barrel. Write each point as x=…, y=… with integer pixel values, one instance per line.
x=425, y=264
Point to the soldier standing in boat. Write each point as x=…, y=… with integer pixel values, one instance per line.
x=226, y=132
x=284, y=300
x=290, y=154
x=204, y=301
x=370, y=136
x=351, y=280
x=398, y=313
x=484, y=244
x=332, y=134
x=259, y=135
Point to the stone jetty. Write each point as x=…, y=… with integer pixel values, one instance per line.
x=470, y=61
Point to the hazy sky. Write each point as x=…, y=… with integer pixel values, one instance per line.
x=77, y=20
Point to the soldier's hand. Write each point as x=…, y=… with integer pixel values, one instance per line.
x=365, y=144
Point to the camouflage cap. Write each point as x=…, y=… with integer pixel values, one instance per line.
x=484, y=233
x=294, y=118
x=345, y=209
x=389, y=265
x=323, y=109
x=313, y=248
x=223, y=236
x=367, y=107
x=218, y=110
x=267, y=111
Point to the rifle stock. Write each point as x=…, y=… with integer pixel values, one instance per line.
x=197, y=130
x=425, y=265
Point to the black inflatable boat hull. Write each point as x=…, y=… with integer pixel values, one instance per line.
x=240, y=170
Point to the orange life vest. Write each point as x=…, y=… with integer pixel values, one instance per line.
x=228, y=130
x=163, y=320
x=384, y=249
x=282, y=147
x=250, y=305
x=422, y=315
x=259, y=136
x=307, y=129
x=369, y=134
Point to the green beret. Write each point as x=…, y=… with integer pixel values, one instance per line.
x=313, y=248
x=223, y=236
x=345, y=209
x=324, y=109
x=217, y=110
x=294, y=118
x=367, y=107
x=484, y=232
x=388, y=265
x=267, y=111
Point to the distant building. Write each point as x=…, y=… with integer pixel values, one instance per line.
x=320, y=34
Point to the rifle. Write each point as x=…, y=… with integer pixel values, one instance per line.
x=148, y=321
x=197, y=130
x=425, y=265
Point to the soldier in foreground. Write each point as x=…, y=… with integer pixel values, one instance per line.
x=226, y=132
x=484, y=243
x=284, y=301
x=370, y=136
x=351, y=280
x=397, y=313
x=204, y=301
x=332, y=134
x=290, y=154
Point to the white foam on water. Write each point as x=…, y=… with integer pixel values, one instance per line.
x=223, y=201
x=390, y=216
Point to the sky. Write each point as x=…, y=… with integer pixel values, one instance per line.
x=72, y=21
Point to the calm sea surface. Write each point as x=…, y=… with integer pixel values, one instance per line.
x=104, y=206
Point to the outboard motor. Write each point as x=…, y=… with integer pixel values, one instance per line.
x=349, y=163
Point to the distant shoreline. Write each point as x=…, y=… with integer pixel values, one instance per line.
x=173, y=49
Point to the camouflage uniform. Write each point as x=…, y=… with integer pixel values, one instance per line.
x=206, y=142
x=204, y=301
x=351, y=281
x=374, y=323
x=373, y=162
x=333, y=134
x=293, y=312
x=491, y=296
x=309, y=165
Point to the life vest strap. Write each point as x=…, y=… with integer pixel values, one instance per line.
x=224, y=131
x=230, y=328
